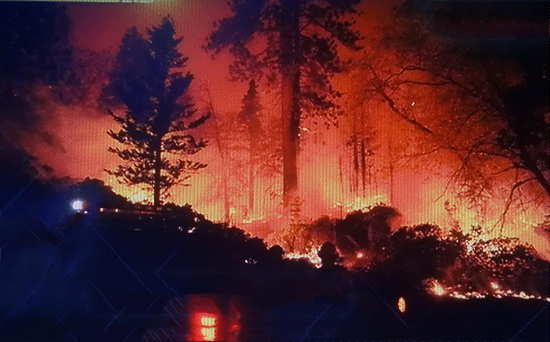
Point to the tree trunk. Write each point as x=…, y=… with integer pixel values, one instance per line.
x=391, y=169
x=158, y=165
x=363, y=167
x=251, y=179
x=226, y=202
x=532, y=167
x=355, y=188
x=290, y=95
x=223, y=152
x=341, y=173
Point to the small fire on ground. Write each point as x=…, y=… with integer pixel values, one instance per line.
x=496, y=291
x=311, y=255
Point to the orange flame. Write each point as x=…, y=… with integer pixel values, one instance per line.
x=401, y=305
x=437, y=288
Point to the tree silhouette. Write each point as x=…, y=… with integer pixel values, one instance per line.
x=329, y=255
x=495, y=130
x=158, y=117
x=249, y=117
x=299, y=39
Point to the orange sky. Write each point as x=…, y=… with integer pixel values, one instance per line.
x=101, y=26
x=82, y=131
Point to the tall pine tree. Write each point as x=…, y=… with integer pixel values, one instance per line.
x=294, y=42
x=249, y=116
x=158, y=119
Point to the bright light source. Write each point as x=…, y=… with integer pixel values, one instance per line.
x=207, y=327
x=438, y=289
x=360, y=255
x=208, y=321
x=401, y=305
x=77, y=204
x=208, y=333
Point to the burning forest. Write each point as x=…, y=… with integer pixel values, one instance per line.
x=285, y=169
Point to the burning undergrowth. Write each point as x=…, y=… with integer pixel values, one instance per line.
x=464, y=265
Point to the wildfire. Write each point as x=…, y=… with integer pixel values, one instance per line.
x=138, y=197
x=401, y=305
x=437, y=289
x=361, y=203
x=496, y=291
x=311, y=255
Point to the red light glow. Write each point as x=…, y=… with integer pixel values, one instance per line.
x=208, y=321
x=207, y=327
x=208, y=334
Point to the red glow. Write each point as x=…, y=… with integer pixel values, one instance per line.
x=205, y=327
x=207, y=320
x=326, y=172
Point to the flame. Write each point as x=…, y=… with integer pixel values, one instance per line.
x=401, y=305
x=437, y=289
x=362, y=203
x=139, y=197
x=311, y=255
x=325, y=167
x=496, y=291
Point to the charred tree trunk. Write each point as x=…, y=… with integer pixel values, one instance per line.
x=290, y=95
x=531, y=165
x=226, y=203
x=355, y=188
x=222, y=151
x=363, y=167
x=157, y=177
x=341, y=172
x=251, y=169
x=391, y=171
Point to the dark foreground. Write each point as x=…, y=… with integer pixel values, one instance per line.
x=96, y=282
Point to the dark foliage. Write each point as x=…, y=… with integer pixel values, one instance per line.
x=35, y=53
x=158, y=116
x=298, y=42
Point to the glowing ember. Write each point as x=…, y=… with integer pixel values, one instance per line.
x=362, y=203
x=360, y=255
x=437, y=288
x=401, y=305
x=495, y=292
